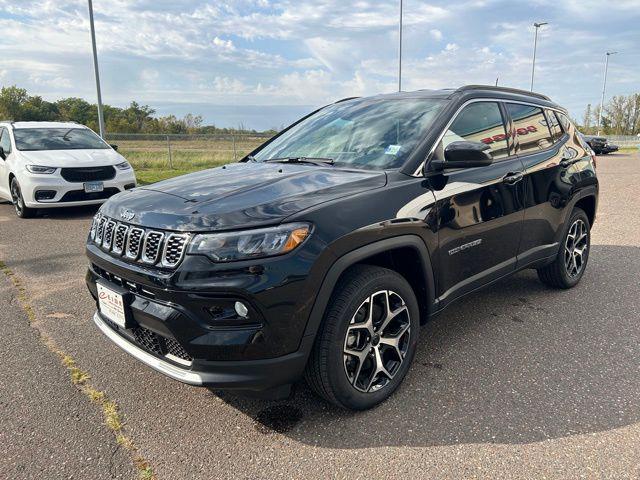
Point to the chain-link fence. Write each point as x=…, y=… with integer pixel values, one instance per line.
x=623, y=140
x=184, y=152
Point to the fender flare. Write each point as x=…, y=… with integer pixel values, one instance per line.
x=588, y=191
x=354, y=256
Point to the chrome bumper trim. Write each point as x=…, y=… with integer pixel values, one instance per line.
x=161, y=366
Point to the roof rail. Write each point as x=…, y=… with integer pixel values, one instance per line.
x=346, y=99
x=503, y=89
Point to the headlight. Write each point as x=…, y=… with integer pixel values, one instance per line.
x=123, y=166
x=40, y=169
x=263, y=242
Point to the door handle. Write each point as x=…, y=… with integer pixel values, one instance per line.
x=513, y=178
x=567, y=162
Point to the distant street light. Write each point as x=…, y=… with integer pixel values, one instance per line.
x=535, y=47
x=400, y=52
x=604, y=86
x=96, y=70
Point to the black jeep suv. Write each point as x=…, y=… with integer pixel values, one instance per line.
x=600, y=145
x=322, y=252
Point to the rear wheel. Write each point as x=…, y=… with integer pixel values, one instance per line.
x=367, y=340
x=22, y=211
x=570, y=263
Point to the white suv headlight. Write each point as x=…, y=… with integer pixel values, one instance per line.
x=262, y=242
x=40, y=169
x=123, y=166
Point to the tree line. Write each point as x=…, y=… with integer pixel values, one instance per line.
x=17, y=105
x=621, y=116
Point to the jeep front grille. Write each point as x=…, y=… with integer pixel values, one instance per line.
x=148, y=246
x=119, y=239
x=174, y=249
x=134, y=241
x=151, y=247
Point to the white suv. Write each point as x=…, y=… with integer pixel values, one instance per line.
x=58, y=164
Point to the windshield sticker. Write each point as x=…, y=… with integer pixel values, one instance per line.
x=392, y=149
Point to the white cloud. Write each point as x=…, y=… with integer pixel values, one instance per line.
x=223, y=44
x=228, y=85
x=436, y=34
x=311, y=51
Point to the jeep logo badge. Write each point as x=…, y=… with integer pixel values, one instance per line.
x=127, y=214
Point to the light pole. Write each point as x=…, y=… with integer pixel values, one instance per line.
x=400, y=52
x=535, y=47
x=96, y=70
x=604, y=86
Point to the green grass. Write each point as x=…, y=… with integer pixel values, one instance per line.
x=150, y=158
x=629, y=149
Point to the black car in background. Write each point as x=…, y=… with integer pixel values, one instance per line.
x=321, y=253
x=600, y=145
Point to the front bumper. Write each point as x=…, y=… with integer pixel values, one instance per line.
x=175, y=313
x=242, y=375
x=70, y=194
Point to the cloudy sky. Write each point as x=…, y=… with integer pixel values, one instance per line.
x=267, y=61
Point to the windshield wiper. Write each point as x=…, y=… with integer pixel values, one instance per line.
x=65, y=137
x=312, y=160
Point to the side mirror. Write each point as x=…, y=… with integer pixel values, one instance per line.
x=115, y=147
x=2, y=154
x=464, y=154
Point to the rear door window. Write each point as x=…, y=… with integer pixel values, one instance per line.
x=530, y=128
x=480, y=122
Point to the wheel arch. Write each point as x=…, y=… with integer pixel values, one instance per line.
x=398, y=254
x=588, y=203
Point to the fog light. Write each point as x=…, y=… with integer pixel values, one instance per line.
x=45, y=195
x=241, y=309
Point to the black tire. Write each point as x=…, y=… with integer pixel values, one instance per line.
x=562, y=273
x=328, y=368
x=21, y=210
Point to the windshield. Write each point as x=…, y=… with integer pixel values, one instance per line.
x=364, y=133
x=30, y=139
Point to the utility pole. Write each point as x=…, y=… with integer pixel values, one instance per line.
x=400, y=52
x=96, y=70
x=604, y=86
x=535, y=47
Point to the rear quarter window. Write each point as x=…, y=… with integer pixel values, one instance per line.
x=564, y=121
x=554, y=125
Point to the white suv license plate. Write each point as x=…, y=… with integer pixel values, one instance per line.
x=92, y=187
x=111, y=305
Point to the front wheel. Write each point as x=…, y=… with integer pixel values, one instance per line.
x=21, y=209
x=367, y=340
x=570, y=263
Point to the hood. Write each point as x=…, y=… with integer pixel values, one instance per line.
x=72, y=158
x=238, y=195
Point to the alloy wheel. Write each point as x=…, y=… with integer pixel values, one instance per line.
x=376, y=341
x=16, y=197
x=575, y=248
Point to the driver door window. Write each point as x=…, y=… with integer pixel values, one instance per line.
x=5, y=141
x=480, y=122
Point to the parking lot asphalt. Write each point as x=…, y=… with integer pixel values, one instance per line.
x=515, y=381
